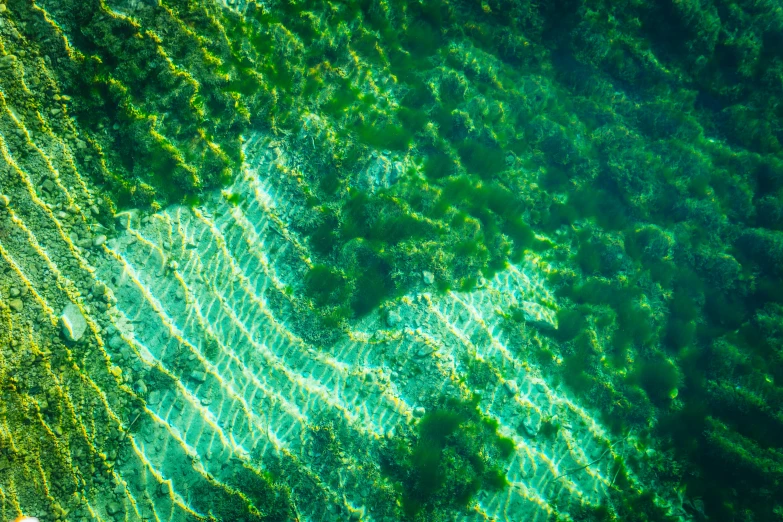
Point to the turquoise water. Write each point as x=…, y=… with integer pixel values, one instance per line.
x=391, y=260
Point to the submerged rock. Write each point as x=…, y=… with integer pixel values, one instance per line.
x=113, y=508
x=73, y=322
x=393, y=318
x=532, y=425
x=154, y=397
x=115, y=342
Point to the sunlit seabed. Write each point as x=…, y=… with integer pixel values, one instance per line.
x=207, y=382
x=192, y=290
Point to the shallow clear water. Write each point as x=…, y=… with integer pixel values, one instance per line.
x=399, y=260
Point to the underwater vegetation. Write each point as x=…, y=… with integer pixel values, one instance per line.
x=454, y=453
x=634, y=146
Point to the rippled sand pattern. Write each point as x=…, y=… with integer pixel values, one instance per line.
x=192, y=372
x=193, y=290
x=190, y=383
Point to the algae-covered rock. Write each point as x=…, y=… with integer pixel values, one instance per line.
x=72, y=322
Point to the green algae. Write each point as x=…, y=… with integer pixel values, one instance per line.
x=325, y=286
x=663, y=145
x=455, y=453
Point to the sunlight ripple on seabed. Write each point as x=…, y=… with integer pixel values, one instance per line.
x=192, y=290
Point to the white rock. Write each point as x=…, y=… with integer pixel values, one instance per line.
x=73, y=322
x=512, y=387
x=428, y=277
x=99, y=240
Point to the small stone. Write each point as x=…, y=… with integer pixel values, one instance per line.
x=16, y=305
x=419, y=411
x=141, y=387
x=113, y=508
x=428, y=277
x=115, y=342
x=99, y=240
x=198, y=376
x=393, y=318
x=73, y=323
x=48, y=185
x=154, y=397
x=511, y=386
x=532, y=425
x=15, y=292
